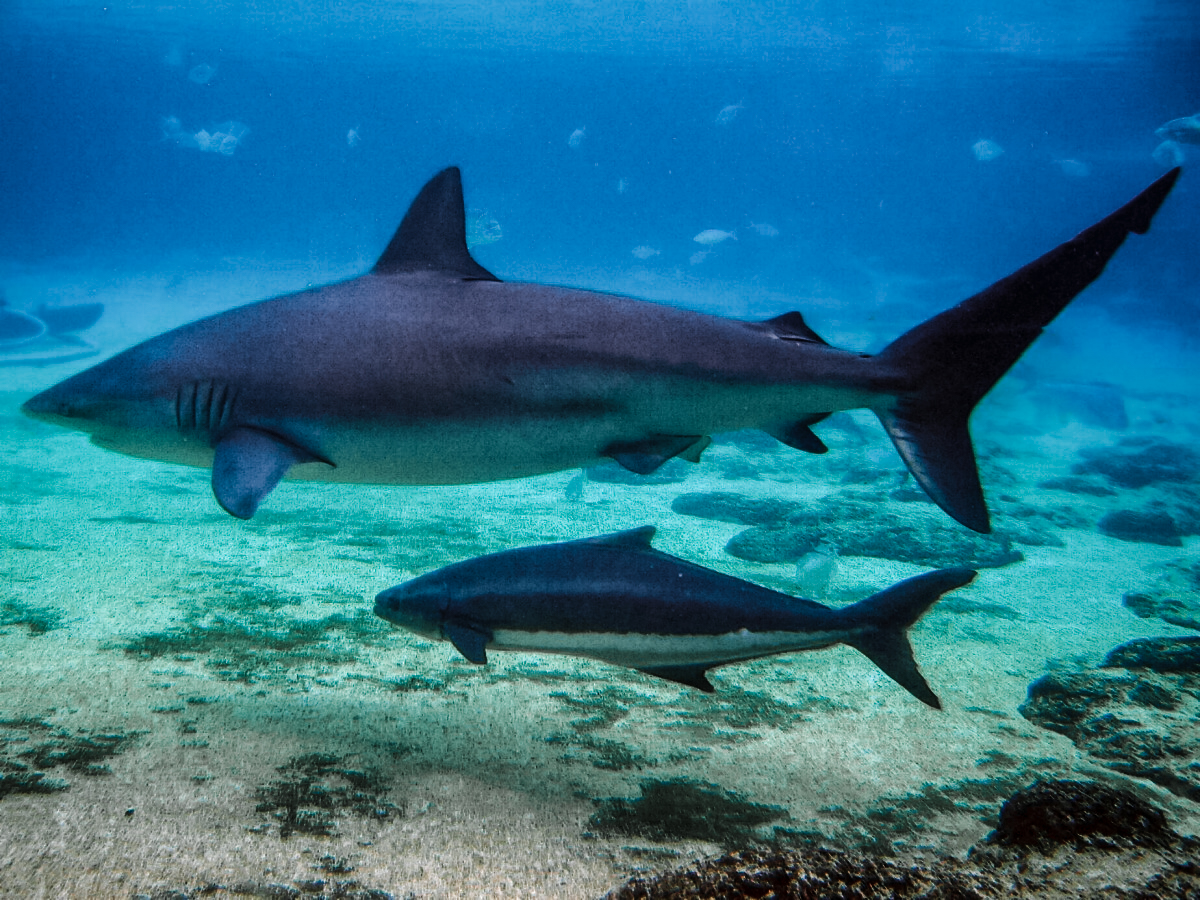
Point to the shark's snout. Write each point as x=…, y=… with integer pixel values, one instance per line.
x=52, y=406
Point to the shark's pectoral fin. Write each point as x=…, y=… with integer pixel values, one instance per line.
x=799, y=435
x=247, y=466
x=692, y=676
x=469, y=640
x=643, y=457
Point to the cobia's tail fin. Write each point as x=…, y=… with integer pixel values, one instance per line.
x=952, y=360
x=880, y=623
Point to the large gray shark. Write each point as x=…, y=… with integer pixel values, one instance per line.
x=430, y=370
x=618, y=600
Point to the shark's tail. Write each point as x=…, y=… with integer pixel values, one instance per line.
x=879, y=625
x=953, y=359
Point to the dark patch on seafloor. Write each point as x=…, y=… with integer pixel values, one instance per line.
x=1138, y=714
x=684, y=809
x=1173, y=595
x=855, y=523
x=1052, y=838
x=315, y=789
x=29, y=747
x=38, y=619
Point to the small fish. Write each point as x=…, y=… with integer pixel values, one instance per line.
x=1182, y=131
x=764, y=229
x=1169, y=154
x=710, y=236
x=698, y=257
x=202, y=74
x=618, y=600
x=1074, y=168
x=353, y=138
x=622, y=185
x=644, y=252
x=729, y=113
x=576, y=138
x=986, y=151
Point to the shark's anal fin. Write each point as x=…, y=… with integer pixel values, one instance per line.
x=248, y=465
x=433, y=235
x=644, y=456
x=692, y=676
x=469, y=640
x=799, y=435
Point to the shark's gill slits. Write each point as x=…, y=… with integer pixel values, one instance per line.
x=204, y=406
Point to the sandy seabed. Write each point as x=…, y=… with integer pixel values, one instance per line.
x=211, y=701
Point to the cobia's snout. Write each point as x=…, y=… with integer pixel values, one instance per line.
x=418, y=605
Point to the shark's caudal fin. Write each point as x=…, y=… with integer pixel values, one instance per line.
x=433, y=235
x=880, y=622
x=953, y=359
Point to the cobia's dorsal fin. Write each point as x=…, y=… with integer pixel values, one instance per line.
x=433, y=235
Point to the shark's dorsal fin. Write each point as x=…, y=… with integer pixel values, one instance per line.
x=792, y=327
x=633, y=539
x=433, y=235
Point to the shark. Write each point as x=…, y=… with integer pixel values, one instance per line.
x=429, y=369
x=616, y=599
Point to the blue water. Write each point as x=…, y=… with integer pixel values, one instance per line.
x=197, y=152
x=854, y=138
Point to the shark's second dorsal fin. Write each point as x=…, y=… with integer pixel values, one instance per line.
x=433, y=235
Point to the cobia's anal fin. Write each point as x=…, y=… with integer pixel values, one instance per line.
x=468, y=640
x=643, y=457
x=692, y=676
x=247, y=466
x=433, y=235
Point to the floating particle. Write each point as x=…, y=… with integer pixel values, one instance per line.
x=353, y=138
x=576, y=138
x=986, y=151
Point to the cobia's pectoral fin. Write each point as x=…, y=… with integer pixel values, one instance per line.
x=643, y=457
x=469, y=640
x=692, y=676
x=247, y=466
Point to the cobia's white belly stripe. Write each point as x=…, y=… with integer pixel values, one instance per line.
x=637, y=651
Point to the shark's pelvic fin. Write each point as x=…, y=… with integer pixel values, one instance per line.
x=247, y=466
x=879, y=625
x=468, y=640
x=952, y=360
x=692, y=676
x=643, y=457
x=433, y=235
